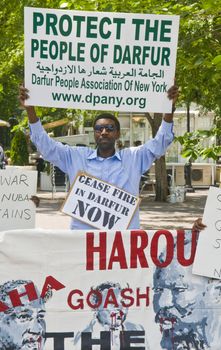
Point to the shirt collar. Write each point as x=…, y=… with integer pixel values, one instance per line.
x=94, y=155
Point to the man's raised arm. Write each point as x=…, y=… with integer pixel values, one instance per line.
x=172, y=95
x=23, y=96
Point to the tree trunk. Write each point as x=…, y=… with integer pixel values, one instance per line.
x=161, y=180
x=161, y=187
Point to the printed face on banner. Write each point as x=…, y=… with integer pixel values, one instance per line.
x=114, y=314
x=21, y=327
x=180, y=304
x=111, y=316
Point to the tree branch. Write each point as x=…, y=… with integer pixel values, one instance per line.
x=150, y=119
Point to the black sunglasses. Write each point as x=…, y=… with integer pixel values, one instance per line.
x=107, y=127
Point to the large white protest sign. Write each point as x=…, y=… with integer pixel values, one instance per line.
x=123, y=290
x=16, y=188
x=100, y=60
x=208, y=255
x=99, y=203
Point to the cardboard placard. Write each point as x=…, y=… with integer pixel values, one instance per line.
x=99, y=203
x=208, y=255
x=16, y=209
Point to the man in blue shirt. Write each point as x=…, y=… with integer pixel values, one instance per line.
x=121, y=168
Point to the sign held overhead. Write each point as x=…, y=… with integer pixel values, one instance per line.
x=87, y=60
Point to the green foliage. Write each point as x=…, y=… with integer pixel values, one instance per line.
x=7, y=153
x=198, y=64
x=19, y=149
x=22, y=125
x=193, y=144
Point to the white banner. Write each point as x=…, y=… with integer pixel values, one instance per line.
x=100, y=204
x=16, y=207
x=100, y=60
x=209, y=246
x=123, y=290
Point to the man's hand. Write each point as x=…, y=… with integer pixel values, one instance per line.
x=172, y=94
x=198, y=225
x=35, y=200
x=23, y=96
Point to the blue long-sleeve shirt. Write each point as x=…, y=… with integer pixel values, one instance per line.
x=123, y=169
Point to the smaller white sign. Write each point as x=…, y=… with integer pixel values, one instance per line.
x=208, y=254
x=100, y=204
x=17, y=210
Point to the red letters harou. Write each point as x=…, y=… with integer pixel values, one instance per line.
x=139, y=245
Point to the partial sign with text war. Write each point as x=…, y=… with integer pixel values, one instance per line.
x=17, y=210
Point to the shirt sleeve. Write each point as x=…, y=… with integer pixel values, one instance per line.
x=51, y=150
x=145, y=155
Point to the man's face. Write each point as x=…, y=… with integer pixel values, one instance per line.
x=112, y=315
x=23, y=327
x=180, y=307
x=105, y=134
